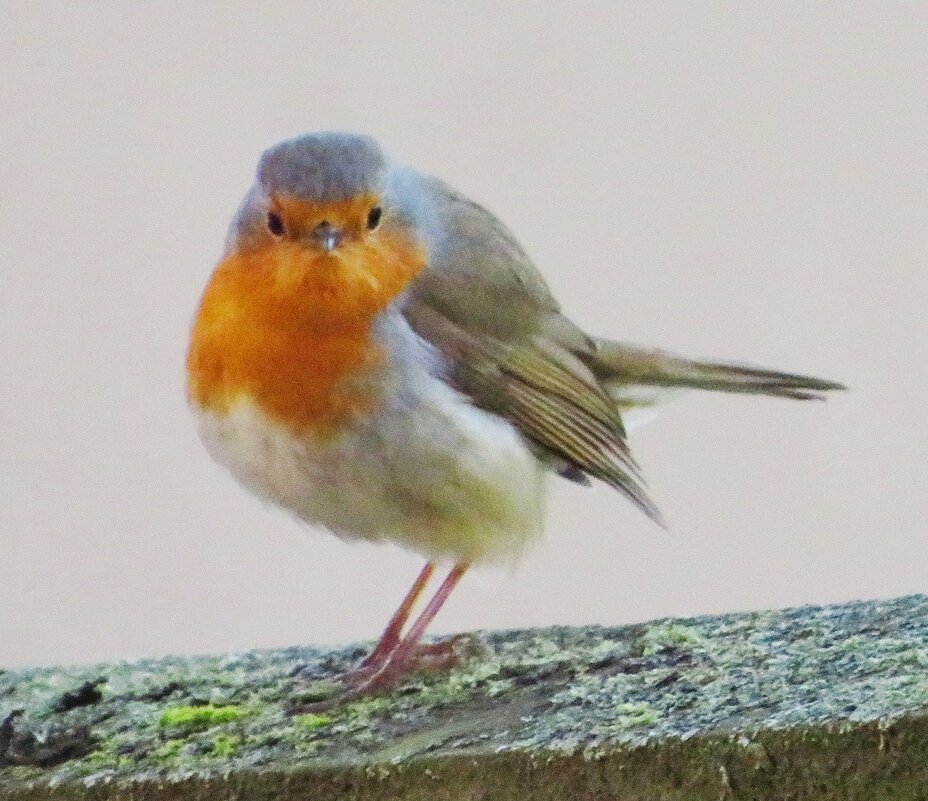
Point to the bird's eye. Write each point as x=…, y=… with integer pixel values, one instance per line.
x=274, y=224
x=373, y=217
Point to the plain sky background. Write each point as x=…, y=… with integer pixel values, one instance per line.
x=741, y=180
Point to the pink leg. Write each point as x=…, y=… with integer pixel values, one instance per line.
x=392, y=657
x=399, y=661
x=391, y=634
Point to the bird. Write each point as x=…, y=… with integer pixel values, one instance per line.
x=375, y=353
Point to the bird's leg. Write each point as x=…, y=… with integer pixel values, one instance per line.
x=390, y=638
x=404, y=656
x=393, y=657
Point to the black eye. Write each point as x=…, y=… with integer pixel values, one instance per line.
x=274, y=224
x=373, y=217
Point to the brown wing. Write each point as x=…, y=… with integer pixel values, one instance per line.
x=485, y=307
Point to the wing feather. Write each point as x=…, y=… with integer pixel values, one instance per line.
x=485, y=307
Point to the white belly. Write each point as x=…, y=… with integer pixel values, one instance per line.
x=431, y=473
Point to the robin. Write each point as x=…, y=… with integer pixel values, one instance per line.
x=377, y=354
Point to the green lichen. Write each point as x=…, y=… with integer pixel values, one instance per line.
x=319, y=691
x=311, y=721
x=197, y=718
x=224, y=746
x=364, y=710
x=460, y=684
x=167, y=751
x=633, y=715
x=107, y=758
x=670, y=635
x=307, y=747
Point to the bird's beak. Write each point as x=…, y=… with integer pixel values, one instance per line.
x=328, y=236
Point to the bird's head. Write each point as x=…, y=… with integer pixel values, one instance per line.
x=317, y=227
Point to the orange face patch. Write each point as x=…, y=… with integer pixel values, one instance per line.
x=288, y=325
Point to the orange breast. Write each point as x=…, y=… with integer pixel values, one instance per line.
x=290, y=329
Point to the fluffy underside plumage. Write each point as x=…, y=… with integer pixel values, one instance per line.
x=429, y=471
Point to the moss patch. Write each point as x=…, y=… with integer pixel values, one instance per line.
x=311, y=721
x=224, y=746
x=199, y=717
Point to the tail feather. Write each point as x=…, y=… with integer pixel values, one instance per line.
x=623, y=367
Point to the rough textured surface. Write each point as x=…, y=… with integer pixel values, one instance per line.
x=818, y=702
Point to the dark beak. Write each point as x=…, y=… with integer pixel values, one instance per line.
x=328, y=236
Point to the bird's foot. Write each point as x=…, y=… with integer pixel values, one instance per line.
x=384, y=674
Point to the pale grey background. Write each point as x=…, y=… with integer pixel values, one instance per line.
x=738, y=180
